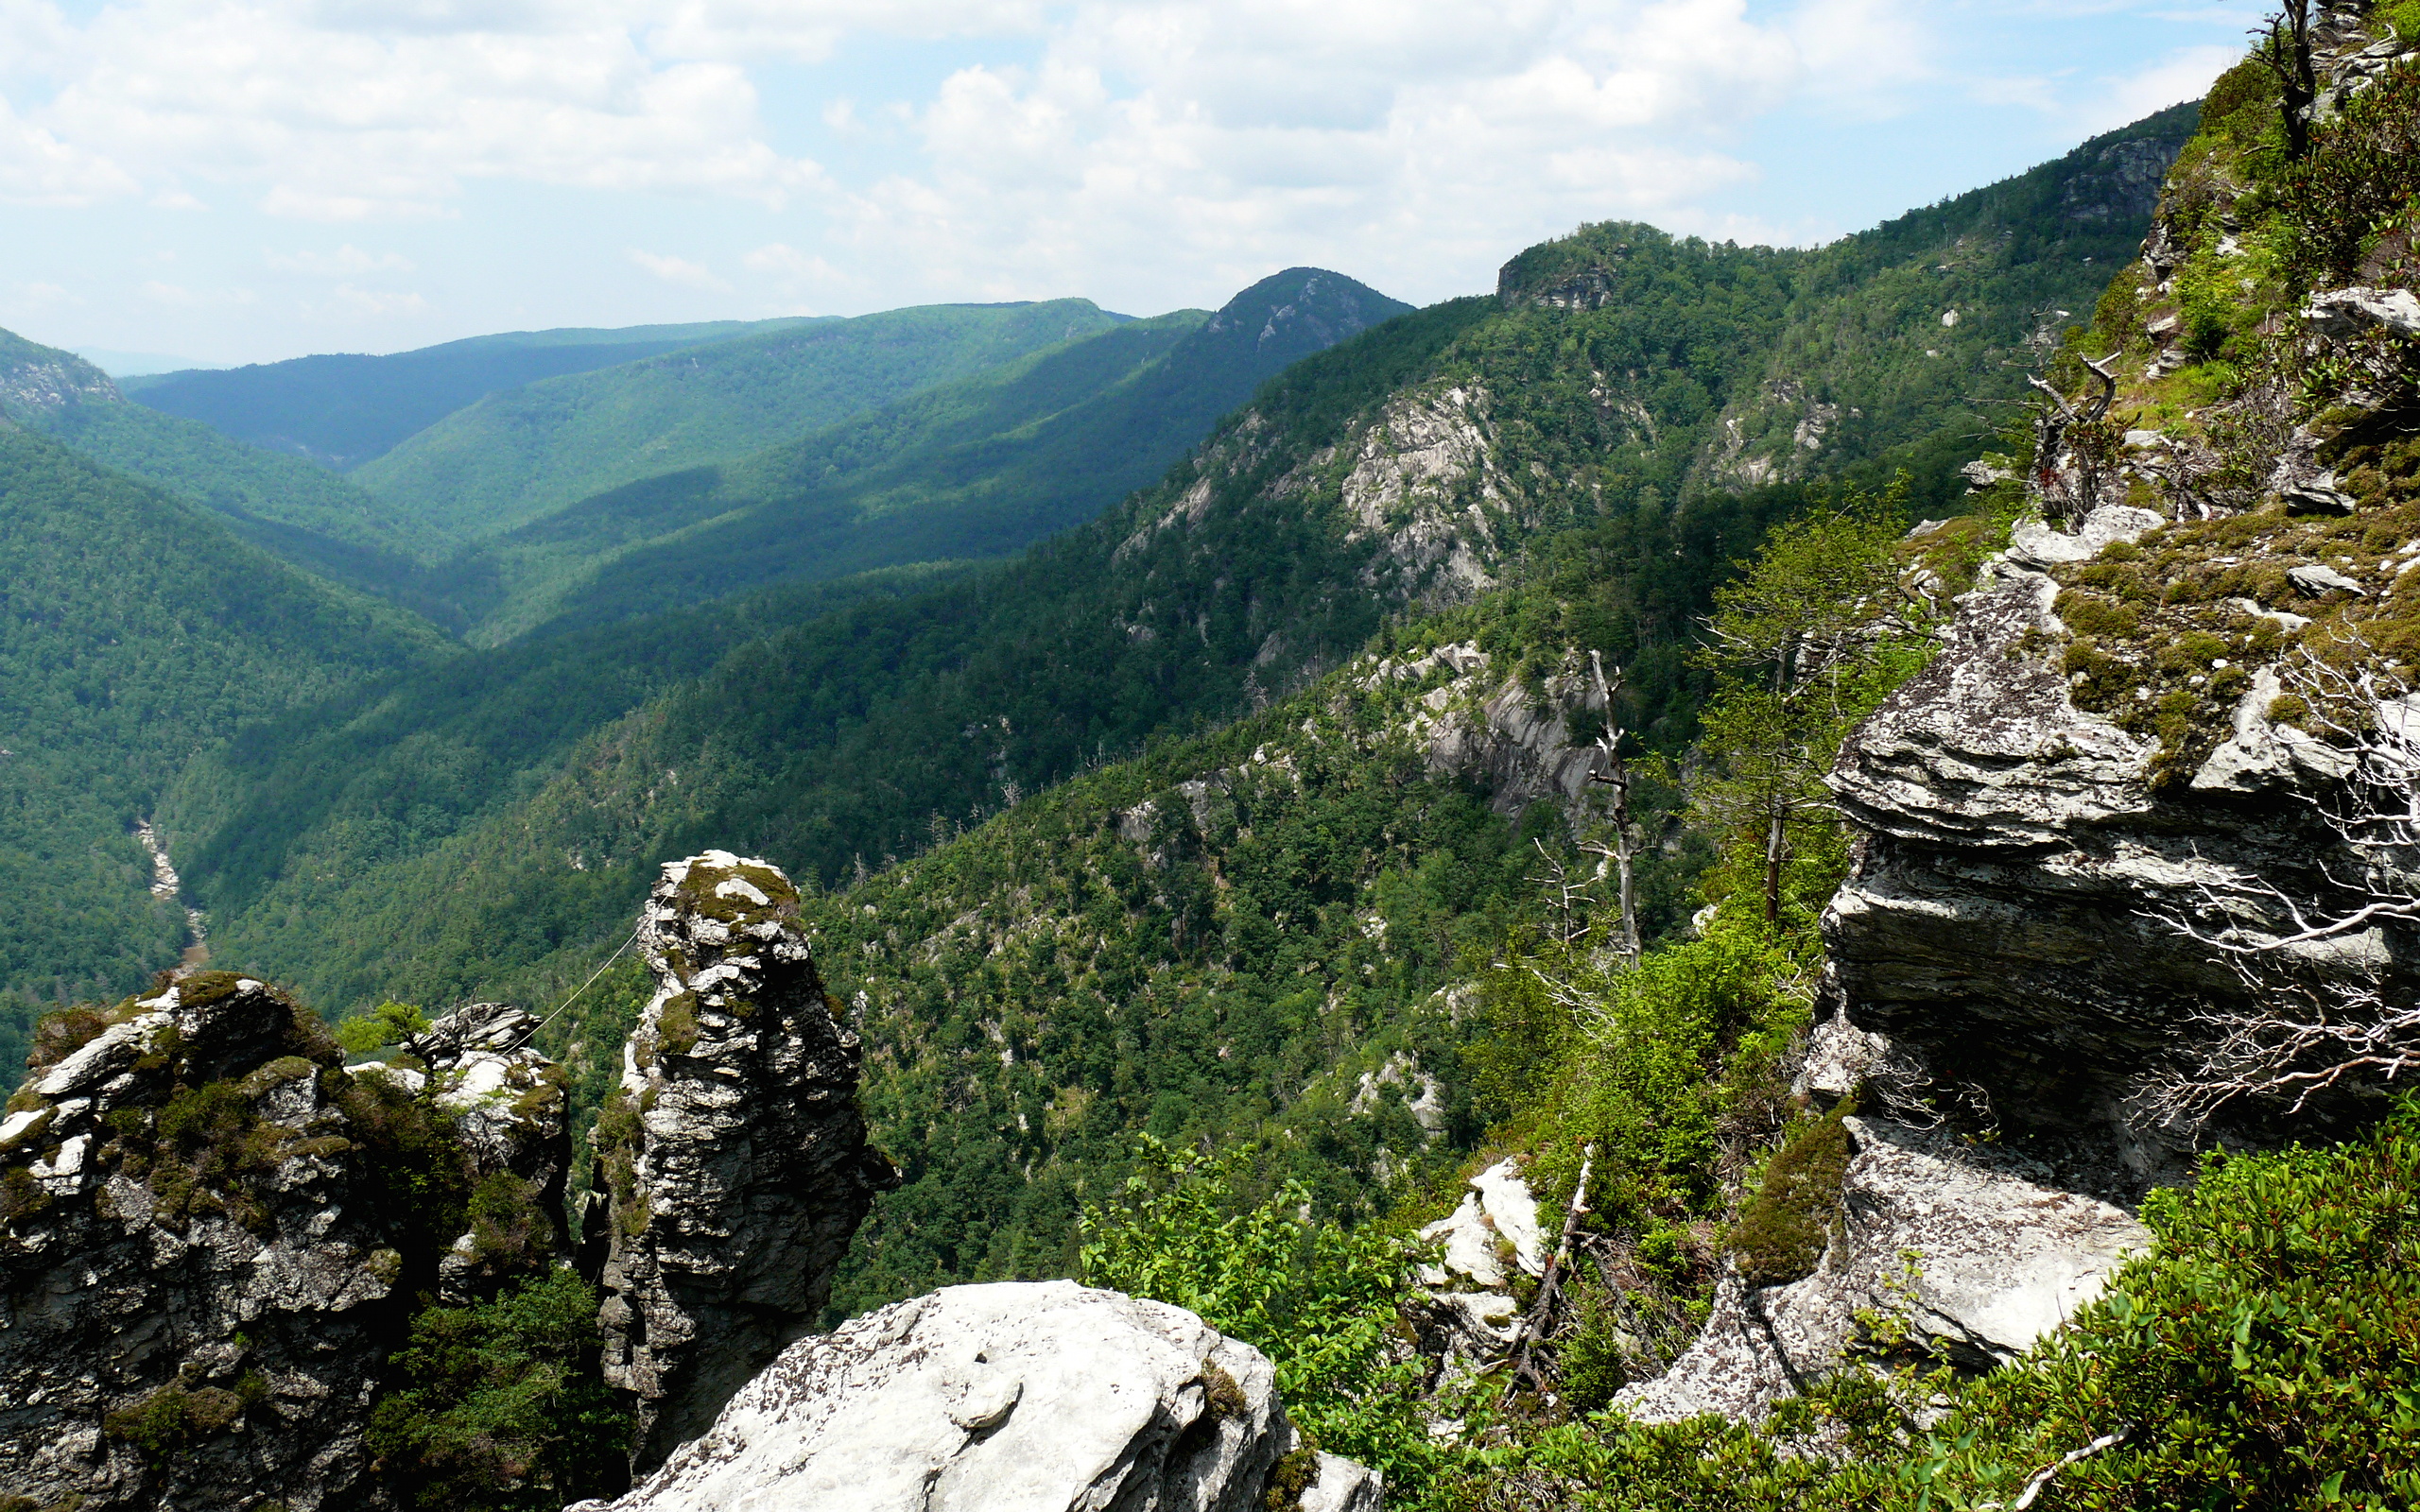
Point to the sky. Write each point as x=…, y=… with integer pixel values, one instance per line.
x=221, y=182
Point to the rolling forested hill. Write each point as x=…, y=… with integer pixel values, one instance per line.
x=525, y=450
x=1622, y=388
x=138, y=631
x=979, y=468
x=343, y=409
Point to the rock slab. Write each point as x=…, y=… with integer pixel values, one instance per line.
x=1973, y=1262
x=734, y=1153
x=1015, y=1397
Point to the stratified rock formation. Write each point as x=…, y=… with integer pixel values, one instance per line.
x=196, y=1267
x=1968, y=1256
x=734, y=1153
x=1041, y=1396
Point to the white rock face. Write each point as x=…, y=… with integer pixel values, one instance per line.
x=1017, y=1396
x=2342, y=313
x=2001, y=1261
x=1499, y=1206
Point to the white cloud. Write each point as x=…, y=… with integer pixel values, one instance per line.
x=2181, y=76
x=679, y=270
x=37, y=168
x=1229, y=137
x=346, y=261
x=175, y=296
x=377, y=305
x=359, y=109
x=788, y=262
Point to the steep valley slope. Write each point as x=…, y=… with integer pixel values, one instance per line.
x=1236, y=925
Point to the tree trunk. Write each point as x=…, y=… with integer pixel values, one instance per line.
x=1773, y=871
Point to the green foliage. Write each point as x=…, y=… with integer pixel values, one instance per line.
x=176, y=1417
x=387, y=1024
x=979, y=468
x=341, y=410
x=2264, y=1354
x=500, y=1407
x=2261, y=1355
x=2357, y=185
x=1317, y=1298
x=139, y=631
x=1811, y=637
x=1785, y=1227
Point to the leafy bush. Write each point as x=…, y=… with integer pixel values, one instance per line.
x=387, y=1024
x=1320, y=1300
x=501, y=1407
x=2360, y=179
x=1782, y=1231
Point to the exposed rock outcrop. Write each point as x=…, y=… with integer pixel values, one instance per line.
x=1470, y=1317
x=1042, y=1397
x=1961, y=1255
x=509, y=1104
x=197, y=1270
x=2003, y=916
x=735, y=1152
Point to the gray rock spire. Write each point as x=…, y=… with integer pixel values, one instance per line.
x=734, y=1154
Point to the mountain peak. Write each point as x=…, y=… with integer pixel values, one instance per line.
x=1300, y=310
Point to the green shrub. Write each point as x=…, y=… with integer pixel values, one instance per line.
x=1319, y=1300
x=388, y=1023
x=2266, y=1353
x=1785, y=1227
x=501, y=1407
x=176, y=1417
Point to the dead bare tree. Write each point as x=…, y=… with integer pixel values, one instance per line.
x=2067, y=476
x=2282, y=45
x=2318, y=1014
x=1567, y=895
x=1611, y=770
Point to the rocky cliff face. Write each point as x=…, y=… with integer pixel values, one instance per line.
x=734, y=1154
x=1031, y=1395
x=36, y=380
x=202, y=1271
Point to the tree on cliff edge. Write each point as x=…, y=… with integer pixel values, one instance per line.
x=1814, y=634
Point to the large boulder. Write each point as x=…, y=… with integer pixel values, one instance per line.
x=1961, y=1254
x=197, y=1285
x=1017, y=1396
x=734, y=1153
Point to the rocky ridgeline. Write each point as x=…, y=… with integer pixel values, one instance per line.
x=733, y=1155
x=199, y=1282
x=211, y=1233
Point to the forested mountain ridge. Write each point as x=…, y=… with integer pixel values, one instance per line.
x=138, y=631
x=524, y=451
x=1612, y=754
x=978, y=469
x=341, y=410
x=1413, y=466
x=290, y=507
